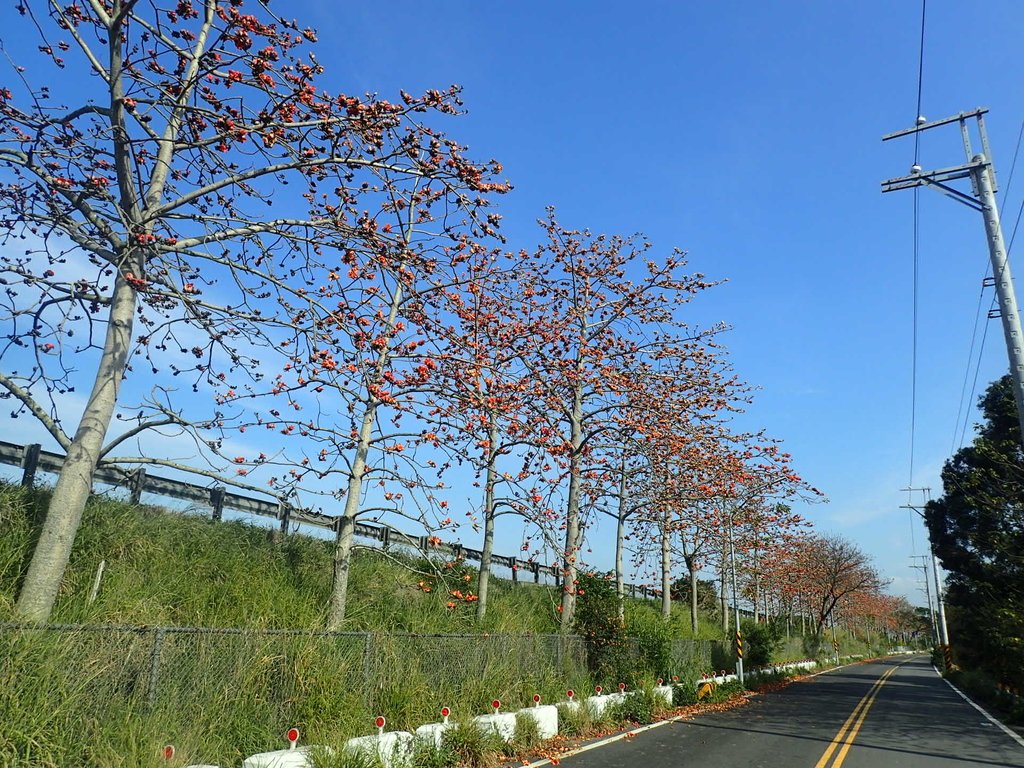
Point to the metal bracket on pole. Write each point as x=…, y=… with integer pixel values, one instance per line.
x=981, y=172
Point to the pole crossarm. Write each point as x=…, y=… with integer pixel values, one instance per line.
x=936, y=123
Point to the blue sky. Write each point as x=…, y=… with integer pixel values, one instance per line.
x=748, y=134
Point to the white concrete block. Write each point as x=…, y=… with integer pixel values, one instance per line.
x=393, y=748
x=280, y=758
x=598, y=704
x=502, y=724
x=664, y=692
x=546, y=718
x=432, y=733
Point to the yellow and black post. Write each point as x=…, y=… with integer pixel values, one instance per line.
x=739, y=645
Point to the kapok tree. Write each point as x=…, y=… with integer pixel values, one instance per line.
x=691, y=398
x=833, y=569
x=477, y=408
x=597, y=306
x=157, y=193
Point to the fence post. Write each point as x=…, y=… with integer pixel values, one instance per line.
x=536, y=572
x=385, y=538
x=515, y=573
x=29, y=464
x=368, y=666
x=138, y=482
x=154, y=666
x=217, y=502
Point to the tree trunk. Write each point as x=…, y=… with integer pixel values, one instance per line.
x=620, y=542
x=757, y=589
x=572, y=517
x=488, y=546
x=666, y=569
x=691, y=570
x=723, y=601
x=74, y=483
x=620, y=582
x=345, y=537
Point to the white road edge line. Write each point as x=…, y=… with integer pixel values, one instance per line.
x=994, y=721
x=609, y=740
x=619, y=737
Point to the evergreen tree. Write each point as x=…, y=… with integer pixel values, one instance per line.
x=977, y=527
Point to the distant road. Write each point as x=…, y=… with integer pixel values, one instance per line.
x=897, y=712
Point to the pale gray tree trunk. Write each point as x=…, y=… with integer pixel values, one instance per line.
x=691, y=570
x=666, y=568
x=489, y=512
x=345, y=537
x=620, y=543
x=757, y=588
x=723, y=600
x=572, y=516
x=74, y=484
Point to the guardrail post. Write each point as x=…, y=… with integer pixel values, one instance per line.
x=284, y=513
x=29, y=464
x=536, y=572
x=217, y=502
x=385, y=538
x=515, y=573
x=138, y=482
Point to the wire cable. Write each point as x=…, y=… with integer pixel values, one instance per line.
x=917, y=248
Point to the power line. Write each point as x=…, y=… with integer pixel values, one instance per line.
x=917, y=245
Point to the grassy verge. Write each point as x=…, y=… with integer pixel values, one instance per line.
x=115, y=696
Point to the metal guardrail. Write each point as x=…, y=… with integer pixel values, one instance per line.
x=32, y=459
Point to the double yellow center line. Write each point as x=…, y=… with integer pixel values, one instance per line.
x=844, y=738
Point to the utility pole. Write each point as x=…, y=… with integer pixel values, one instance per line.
x=981, y=172
x=928, y=596
x=940, y=607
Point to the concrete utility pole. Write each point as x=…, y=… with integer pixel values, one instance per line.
x=980, y=170
x=927, y=595
x=943, y=630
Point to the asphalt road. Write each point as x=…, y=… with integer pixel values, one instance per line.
x=897, y=712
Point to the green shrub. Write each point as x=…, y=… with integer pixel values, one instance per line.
x=762, y=642
x=684, y=693
x=578, y=722
x=472, y=746
x=654, y=645
x=641, y=706
x=610, y=654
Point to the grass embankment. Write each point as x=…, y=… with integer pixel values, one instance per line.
x=114, y=697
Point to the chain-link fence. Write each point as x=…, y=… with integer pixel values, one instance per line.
x=68, y=685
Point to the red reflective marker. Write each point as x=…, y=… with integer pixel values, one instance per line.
x=380, y=722
x=169, y=752
x=293, y=737
x=570, y=693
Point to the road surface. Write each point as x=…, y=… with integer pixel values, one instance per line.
x=896, y=712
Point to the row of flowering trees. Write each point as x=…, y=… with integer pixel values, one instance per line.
x=201, y=243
